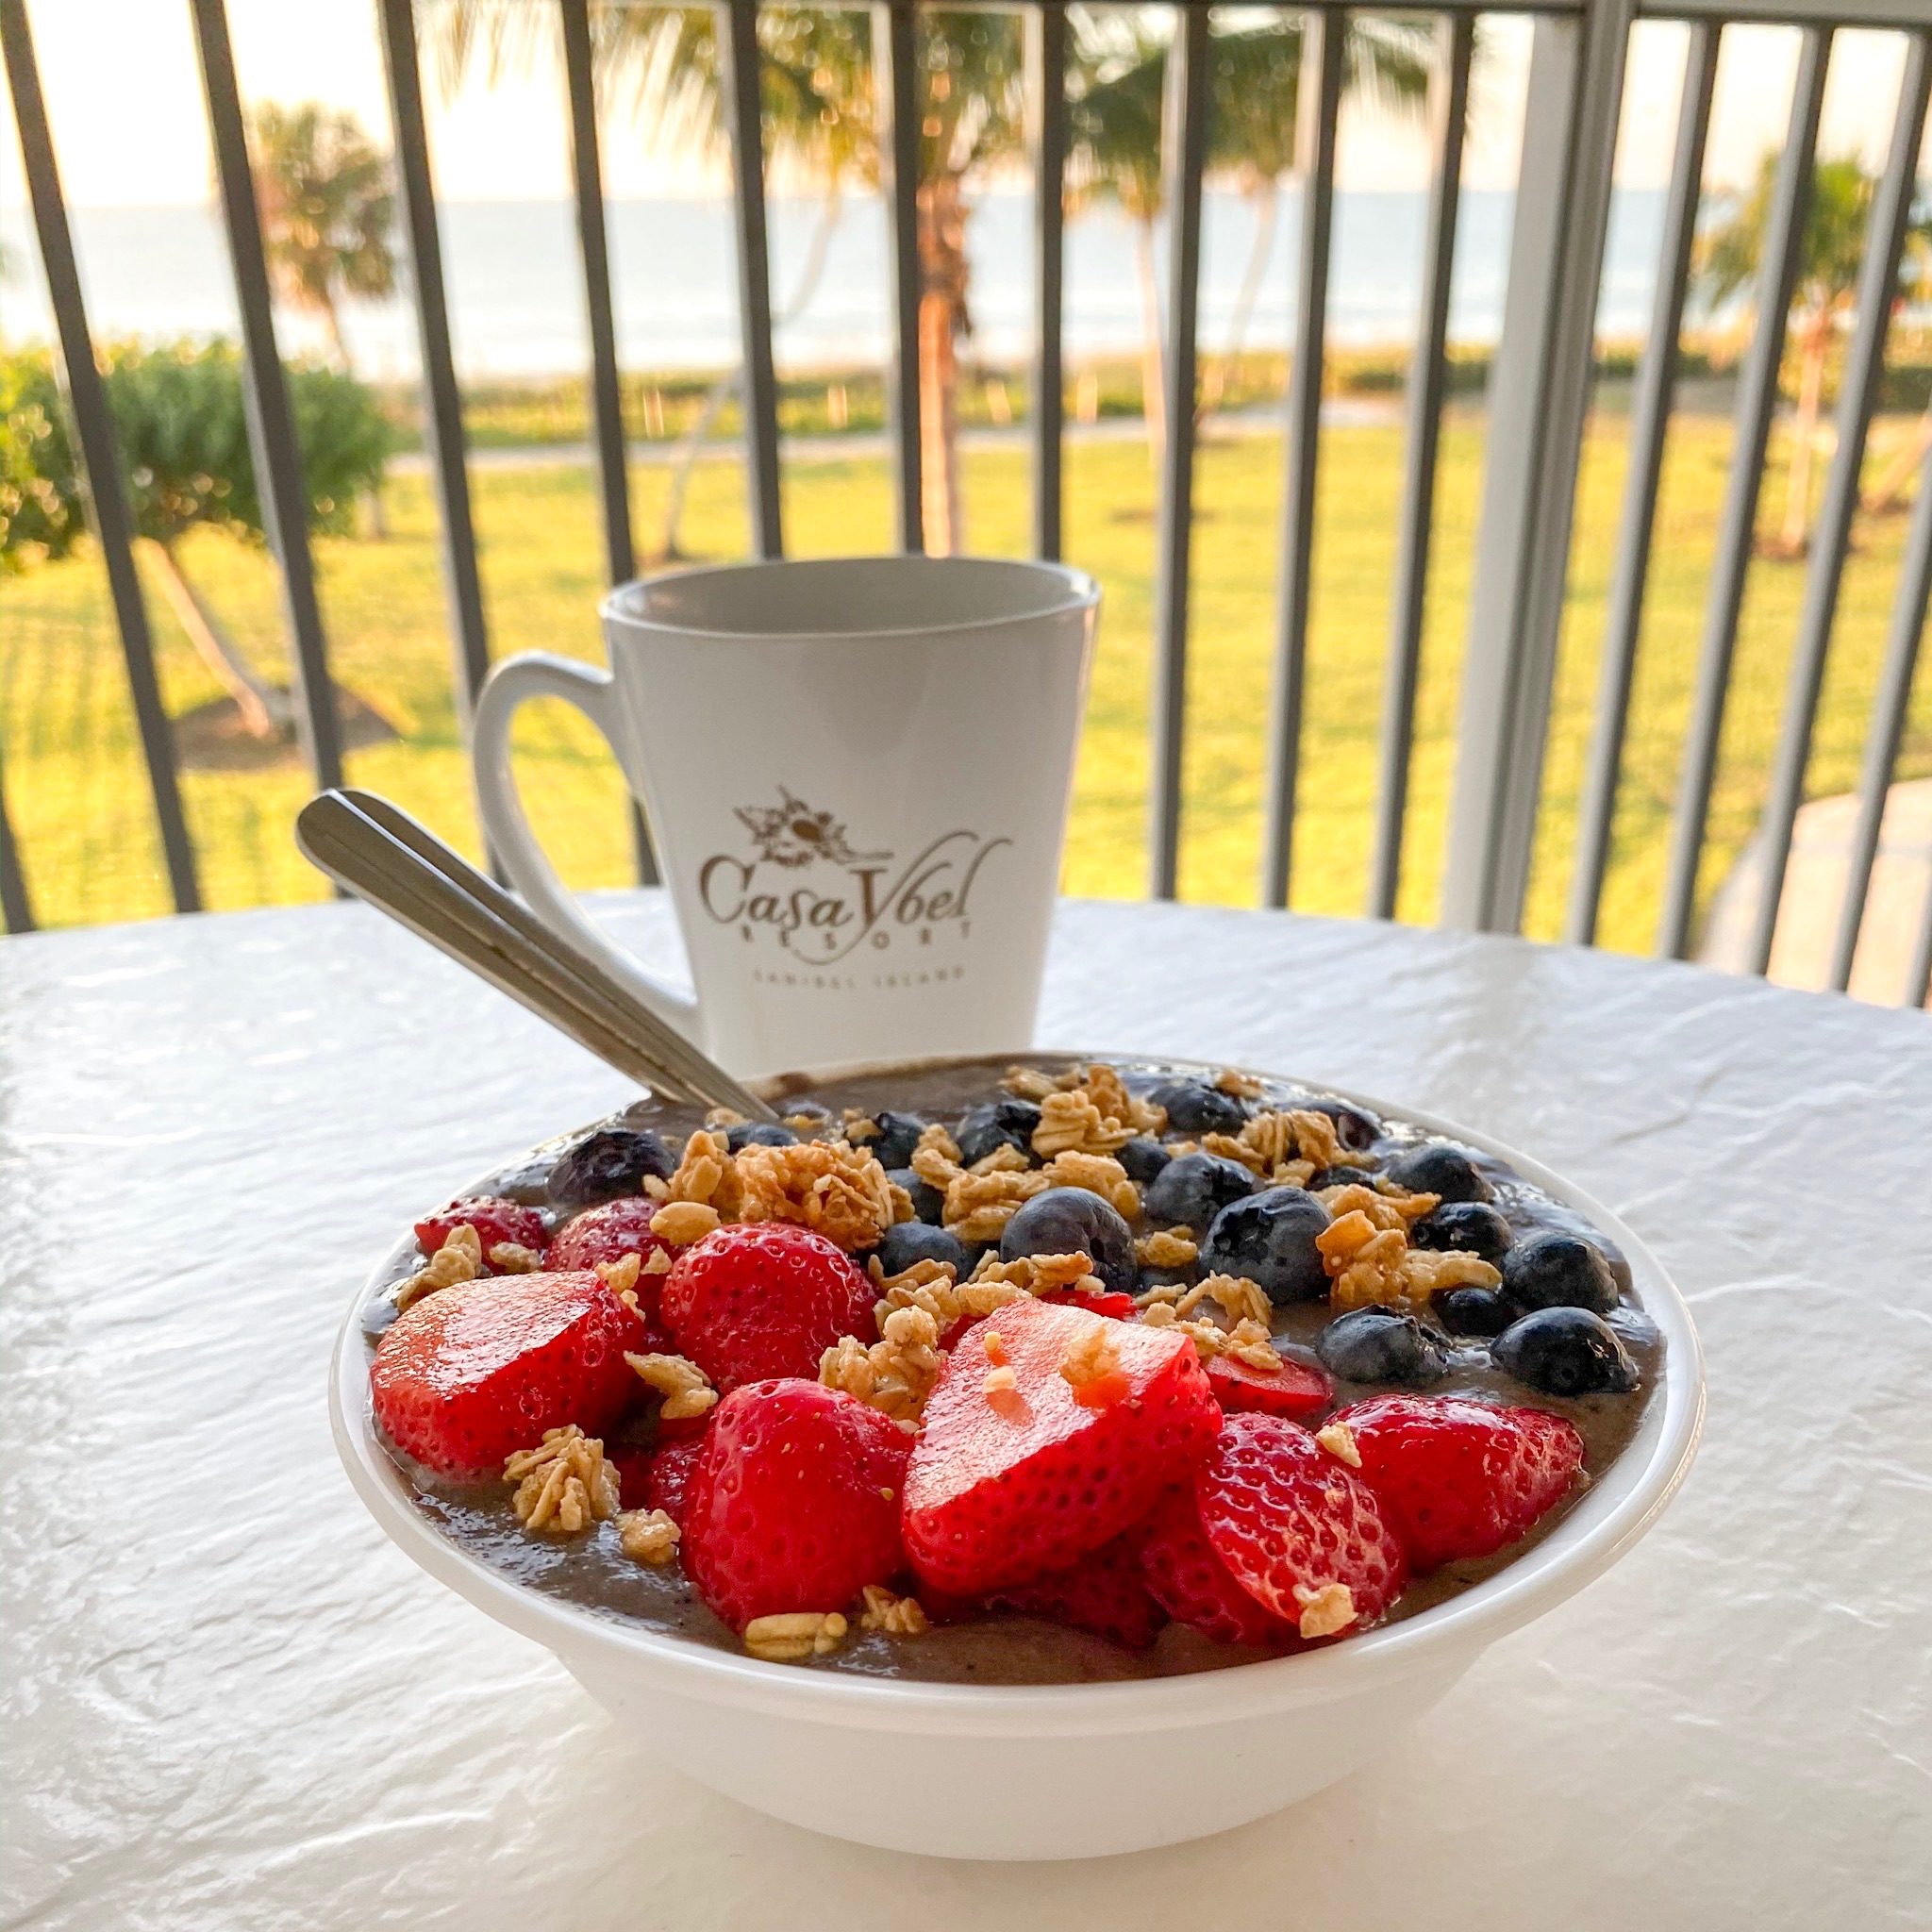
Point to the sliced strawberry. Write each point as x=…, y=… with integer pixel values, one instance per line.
x=793, y=1501
x=1460, y=1478
x=494, y=1219
x=667, y=1476
x=763, y=1299
x=609, y=1232
x=1193, y=1584
x=468, y=1374
x=1295, y=1525
x=1116, y=1308
x=1104, y=1593
x=1295, y=1390
x=1014, y=1475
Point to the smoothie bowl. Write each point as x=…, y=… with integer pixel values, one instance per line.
x=1018, y=1460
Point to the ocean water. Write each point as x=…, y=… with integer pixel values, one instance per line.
x=516, y=298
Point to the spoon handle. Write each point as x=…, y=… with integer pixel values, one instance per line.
x=387, y=857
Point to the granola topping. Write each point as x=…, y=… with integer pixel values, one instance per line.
x=1168, y=1247
x=897, y=1372
x=459, y=1259
x=1365, y=1249
x=621, y=1276
x=513, y=1258
x=1325, y=1608
x=562, y=1485
x=795, y=1635
x=891, y=1616
x=1338, y=1440
x=647, y=1536
x=685, y=1387
x=838, y=1190
x=681, y=1222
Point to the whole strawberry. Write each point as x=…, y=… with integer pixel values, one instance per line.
x=1297, y=1528
x=793, y=1501
x=497, y=1223
x=468, y=1374
x=763, y=1299
x=1049, y=1433
x=1458, y=1478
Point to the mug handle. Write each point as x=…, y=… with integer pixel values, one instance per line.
x=512, y=685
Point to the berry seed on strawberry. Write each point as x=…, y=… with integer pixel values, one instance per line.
x=469, y=1374
x=1458, y=1478
x=1297, y=1529
x=761, y=1299
x=1015, y=1474
x=497, y=1223
x=1296, y=1389
x=793, y=1501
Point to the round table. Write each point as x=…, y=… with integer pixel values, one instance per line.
x=230, y=1703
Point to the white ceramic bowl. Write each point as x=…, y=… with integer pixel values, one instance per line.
x=1074, y=1770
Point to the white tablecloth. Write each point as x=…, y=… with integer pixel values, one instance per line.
x=229, y=1703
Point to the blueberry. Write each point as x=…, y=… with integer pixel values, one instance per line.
x=1270, y=1238
x=1379, y=1345
x=1554, y=1269
x=927, y=1202
x=1340, y=1178
x=610, y=1162
x=1566, y=1351
x=999, y=1123
x=1469, y=1227
x=1143, y=1159
x=1069, y=1221
x=1356, y=1130
x=1436, y=1168
x=898, y=1136
x=759, y=1134
x=1473, y=1311
x=1193, y=1188
x=913, y=1240
x=1195, y=1108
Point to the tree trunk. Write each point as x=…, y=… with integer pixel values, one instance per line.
x=1815, y=342
x=1152, y=354
x=264, y=710
x=1900, y=471
x=943, y=318
x=1266, y=196
x=811, y=271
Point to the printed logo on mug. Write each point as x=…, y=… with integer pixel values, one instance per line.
x=855, y=773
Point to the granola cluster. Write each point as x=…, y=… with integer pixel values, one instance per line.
x=1366, y=1252
x=831, y=1187
x=564, y=1485
x=459, y=1258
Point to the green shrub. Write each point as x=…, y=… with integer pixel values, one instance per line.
x=183, y=431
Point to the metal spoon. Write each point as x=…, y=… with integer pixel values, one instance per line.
x=387, y=857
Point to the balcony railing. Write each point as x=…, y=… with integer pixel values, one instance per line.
x=1539, y=400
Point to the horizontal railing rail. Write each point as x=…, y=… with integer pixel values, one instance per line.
x=1538, y=406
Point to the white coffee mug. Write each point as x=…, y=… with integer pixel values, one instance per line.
x=856, y=773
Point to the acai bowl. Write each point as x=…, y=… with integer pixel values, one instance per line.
x=1114, y=1569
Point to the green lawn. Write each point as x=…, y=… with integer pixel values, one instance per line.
x=79, y=805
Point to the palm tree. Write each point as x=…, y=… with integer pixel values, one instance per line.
x=327, y=211
x=1253, y=92
x=1833, y=249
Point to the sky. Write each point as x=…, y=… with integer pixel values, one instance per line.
x=125, y=97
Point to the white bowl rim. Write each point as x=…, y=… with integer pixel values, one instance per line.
x=1621, y=1506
